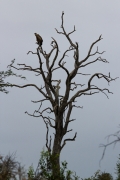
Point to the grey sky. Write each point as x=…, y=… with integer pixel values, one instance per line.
x=19, y=20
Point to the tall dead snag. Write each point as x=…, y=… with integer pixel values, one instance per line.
x=62, y=104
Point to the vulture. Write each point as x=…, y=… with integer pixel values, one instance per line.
x=39, y=39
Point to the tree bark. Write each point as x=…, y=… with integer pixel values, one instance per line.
x=57, y=145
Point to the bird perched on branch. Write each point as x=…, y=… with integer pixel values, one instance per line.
x=39, y=39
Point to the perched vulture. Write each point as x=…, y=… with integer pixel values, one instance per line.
x=39, y=39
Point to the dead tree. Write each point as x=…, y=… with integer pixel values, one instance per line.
x=116, y=137
x=62, y=104
x=8, y=167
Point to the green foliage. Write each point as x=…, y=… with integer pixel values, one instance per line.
x=100, y=176
x=118, y=169
x=5, y=74
x=31, y=173
x=104, y=176
x=8, y=167
x=46, y=165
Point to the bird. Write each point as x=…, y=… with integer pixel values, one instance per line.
x=39, y=39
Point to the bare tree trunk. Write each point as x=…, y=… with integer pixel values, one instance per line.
x=56, y=156
x=57, y=145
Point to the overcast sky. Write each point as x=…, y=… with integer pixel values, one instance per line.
x=19, y=20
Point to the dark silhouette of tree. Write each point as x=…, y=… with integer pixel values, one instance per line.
x=104, y=176
x=8, y=167
x=62, y=104
x=114, y=142
x=98, y=175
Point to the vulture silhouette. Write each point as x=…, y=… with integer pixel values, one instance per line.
x=39, y=39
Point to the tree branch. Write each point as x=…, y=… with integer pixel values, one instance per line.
x=89, y=52
x=73, y=139
x=114, y=142
x=98, y=59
